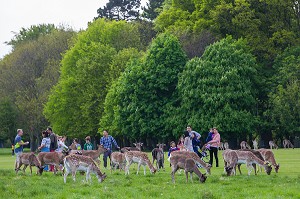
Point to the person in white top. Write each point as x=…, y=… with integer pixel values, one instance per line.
x=188, y=145
x=61, y=143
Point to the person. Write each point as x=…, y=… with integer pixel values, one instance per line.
x=12, y=150
x=88, y=145
x=180, y=144
x=188, y=142
x=53, y=144
x=189, y=129
x=172, y=148
x=195, y=144
x=61, y=146
x=214, y=146
x=210, y=134
x=77, y=145
x=45, y=145
x=107, y=141
x=19, y=146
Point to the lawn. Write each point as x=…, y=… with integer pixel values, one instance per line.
x=285, y=184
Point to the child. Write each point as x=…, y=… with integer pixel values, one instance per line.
x=172, y=148
x=88, y=145
x=180, y=144
x=77, y=145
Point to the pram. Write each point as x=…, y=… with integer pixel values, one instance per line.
x=204, y=153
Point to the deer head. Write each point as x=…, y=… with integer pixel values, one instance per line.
x=203, y=177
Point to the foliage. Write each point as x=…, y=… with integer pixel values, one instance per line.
x=8, y=118
x=152, y=9
x=218, y=88
x=120, y=10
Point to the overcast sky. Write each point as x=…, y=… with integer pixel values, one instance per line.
x=15, y=14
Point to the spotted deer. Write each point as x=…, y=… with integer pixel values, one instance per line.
x=94, y=154
x=140, y=158
x=200, y=163
x=74, y=163
x=117, y=159
x=245, y=145
x=138, y=147
x=180, y=161
x=248, y=158
x=230, y=158
x=287, y=144
x=256, y=153
x=272, y=145
x=31, y=160
x=268, y=156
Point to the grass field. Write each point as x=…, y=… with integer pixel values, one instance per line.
x=285, y=184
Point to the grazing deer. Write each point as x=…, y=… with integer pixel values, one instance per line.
x=117, y=159
x=287, y=144
x=200, y=163
x=94, y=154
x=158, y=155
x=257, y=154
x=186, y=163
x=248, y=158
x=255, y=144
x=268, y=156
x=245, y=145
x=51, y=158
x=230, y=161
x=272, y=145
x=138, y=147
x=221, y=146
x=226, y=145
x=31, y=160
x=140, y=158
x=74, y=162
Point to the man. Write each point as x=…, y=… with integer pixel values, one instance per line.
x=106, y=141
x=189, y=129
x=19, y=146
x=53, y=144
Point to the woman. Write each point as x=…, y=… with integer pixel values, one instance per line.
x=188, y=142
x=214, y=146
x=45, y=145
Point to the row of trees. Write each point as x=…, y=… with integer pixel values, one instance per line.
x=210, y=63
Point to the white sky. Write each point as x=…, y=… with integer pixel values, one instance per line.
x=15, y=14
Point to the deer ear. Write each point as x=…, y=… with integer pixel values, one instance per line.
x=141, y=143
x=157, y=145
x=134, y=144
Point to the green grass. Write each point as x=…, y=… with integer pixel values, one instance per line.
x=285, y=184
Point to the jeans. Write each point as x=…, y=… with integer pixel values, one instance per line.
x=105, y=155
x=213, y=151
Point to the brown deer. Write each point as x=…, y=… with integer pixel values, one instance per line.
x=255, y=144
x=51, y=158
x=230, y=161
x=248, y=158
x=140, y=158
x=117, y=159
x=138, y=147
x=31, y=160
x=287, y=144
x=94, y=154
x=221, y=146
x=200, y=163
x=268, y=156
x=158, y=155
x=180, y=161
x=256, y=153
x=74, y=163
x=245, y=145
x=272, y=145
x=226, y=145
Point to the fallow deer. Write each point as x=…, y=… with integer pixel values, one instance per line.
x=51, y=158
x=272, y=145
x=31, y=160
x=117, y=159
x=200, y=163
x=255, y=144
x=248, y=158
x=226, y=145
x=158, y=155
x=230, y=161
x=287, y=144
x=256, y=153
x=94, y=154
x=221, y=146
x=268, y=156
x=245, y=145
x=140, y=158
x=74, y=163
x=138, y=147
x=181, y=161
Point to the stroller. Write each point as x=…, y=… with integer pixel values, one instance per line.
x=204, y=153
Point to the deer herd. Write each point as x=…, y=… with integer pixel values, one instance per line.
x=88, y=161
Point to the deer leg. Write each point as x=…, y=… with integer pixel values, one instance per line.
x=138, y=168
x=127, y=167
x=174, y=169
x=66, y=174
x=186, y=175
x=239, y=168
x=250, y=168
x=30, y=167
x=88, y=176
x=74, y=175
x=24, y=168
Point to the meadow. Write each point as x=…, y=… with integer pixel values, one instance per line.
x=285, y=184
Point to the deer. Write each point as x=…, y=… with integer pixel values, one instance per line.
x=255, y=144
x=140, y=158
x=158, y=155
x=268, y=156
x=226, y=145
x=272, y=145
x=31, y=160
x=230, y=158
x=245, y=145
x=94, y=154
x=256, y=153
x=51, y=158
x=181, y=161
x=248, y=158
x=138, y=147
x=287, y=144
x=221, y=146
x=199, y=162
x=117, y=159
x=74, y=163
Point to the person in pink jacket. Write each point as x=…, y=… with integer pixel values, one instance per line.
x=214, y=146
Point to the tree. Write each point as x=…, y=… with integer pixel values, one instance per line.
x=127, y=10
x=8, y=119
x=152, y=9
x=218, y=89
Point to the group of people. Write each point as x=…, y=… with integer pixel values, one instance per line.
x=190, y=141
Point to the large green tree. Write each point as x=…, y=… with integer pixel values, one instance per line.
x=218, y=89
